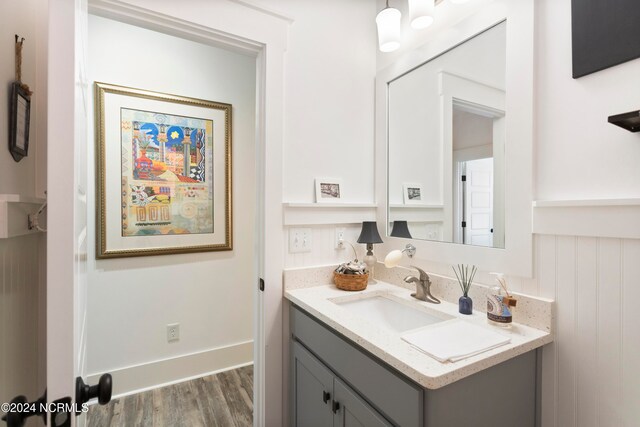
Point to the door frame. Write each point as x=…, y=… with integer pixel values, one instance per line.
x=263, y=35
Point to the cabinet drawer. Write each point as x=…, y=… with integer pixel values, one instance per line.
x=398, y=399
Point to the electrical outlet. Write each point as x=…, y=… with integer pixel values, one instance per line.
x=173, y=332
x=299, y=240
x=340, y=238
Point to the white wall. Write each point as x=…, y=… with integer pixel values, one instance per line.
x=210, y=294
x=22, y=258
x=28, y=19
x=329, y=109
x=471, y=130
x=329, y=97
x=592, y=372
x=578, y=154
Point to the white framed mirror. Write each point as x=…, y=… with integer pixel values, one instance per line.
x=454, y=136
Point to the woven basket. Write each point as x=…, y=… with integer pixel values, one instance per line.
x=351, y=282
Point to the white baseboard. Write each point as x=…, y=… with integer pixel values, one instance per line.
x=147, y=376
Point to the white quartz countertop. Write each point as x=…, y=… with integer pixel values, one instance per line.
x=388, y=345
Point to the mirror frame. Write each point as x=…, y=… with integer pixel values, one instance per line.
x=517, y=256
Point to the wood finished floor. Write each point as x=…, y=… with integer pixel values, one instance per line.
x=224, y=399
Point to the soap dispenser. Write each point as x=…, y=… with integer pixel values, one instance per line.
x=499, y=305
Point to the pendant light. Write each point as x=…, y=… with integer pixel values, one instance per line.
x=421, y=13
x=388, y=22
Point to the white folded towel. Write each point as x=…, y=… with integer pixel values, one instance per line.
x=454, y=340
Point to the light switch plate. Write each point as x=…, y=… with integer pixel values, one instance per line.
x=299, y=240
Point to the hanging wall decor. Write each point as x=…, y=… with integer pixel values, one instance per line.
x=163, y=173
x=604, y=33
x=19, y=109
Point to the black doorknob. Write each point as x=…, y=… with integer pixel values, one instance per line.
x=102, y=391
x=18, y=418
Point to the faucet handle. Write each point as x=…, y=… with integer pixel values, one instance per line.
x=424, y=277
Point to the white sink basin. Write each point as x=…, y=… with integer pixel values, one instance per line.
x=396, y=316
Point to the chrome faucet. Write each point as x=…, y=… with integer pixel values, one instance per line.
x=423, y=286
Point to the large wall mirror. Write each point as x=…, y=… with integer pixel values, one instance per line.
x=446, y=127
x=454, y=141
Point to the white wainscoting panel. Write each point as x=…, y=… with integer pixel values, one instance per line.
x=22, y=340
x=591, y=373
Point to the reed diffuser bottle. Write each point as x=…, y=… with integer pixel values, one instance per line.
x=465, y=278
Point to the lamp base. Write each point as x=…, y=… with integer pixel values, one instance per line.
x=370, y=260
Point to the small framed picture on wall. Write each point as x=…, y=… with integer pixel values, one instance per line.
x=328, y=190
x=413, y=194
x=19, y=118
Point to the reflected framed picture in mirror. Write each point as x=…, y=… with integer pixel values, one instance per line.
x=413, y=194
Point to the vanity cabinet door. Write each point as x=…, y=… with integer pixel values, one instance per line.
x=312, y=392
x=352, y=411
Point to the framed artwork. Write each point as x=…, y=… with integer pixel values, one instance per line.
x=328, y=190
x=163, y=173
x=19, y=119
x=413, y=194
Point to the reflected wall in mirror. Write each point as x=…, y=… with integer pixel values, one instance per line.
x=446, y=137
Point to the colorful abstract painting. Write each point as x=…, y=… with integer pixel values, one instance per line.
x=166, y=174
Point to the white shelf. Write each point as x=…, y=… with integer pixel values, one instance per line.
x=585, y=203
x=327, y=213
x=329, y=205
x=14, y=210
x=416, y=206
x=617, y=218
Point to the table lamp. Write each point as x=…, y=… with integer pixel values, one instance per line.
x=370, y=236
x=400, y=229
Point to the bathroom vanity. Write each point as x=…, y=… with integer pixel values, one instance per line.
x=348, y=369
x=454, y=142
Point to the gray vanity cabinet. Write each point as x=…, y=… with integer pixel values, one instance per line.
x=312, y=390
x=335, y=382
x=320, y=399
x=353, y=411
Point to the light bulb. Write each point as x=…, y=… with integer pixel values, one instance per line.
x=392, y=259
x=421, y=13
x=388, y=22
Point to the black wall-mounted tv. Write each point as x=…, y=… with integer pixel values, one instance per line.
x=605, y=33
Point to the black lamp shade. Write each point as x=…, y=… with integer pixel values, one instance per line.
x=369, y=233
x=400, y=229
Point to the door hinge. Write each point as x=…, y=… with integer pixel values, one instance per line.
x=464, y=178
x=464, y=224
x=261, y=284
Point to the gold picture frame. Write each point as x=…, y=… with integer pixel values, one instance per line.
x=163, y=173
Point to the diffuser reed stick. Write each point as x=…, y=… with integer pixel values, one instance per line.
x=465, y=277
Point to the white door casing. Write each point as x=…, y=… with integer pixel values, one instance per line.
x=67, y=185
x=262, y=33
